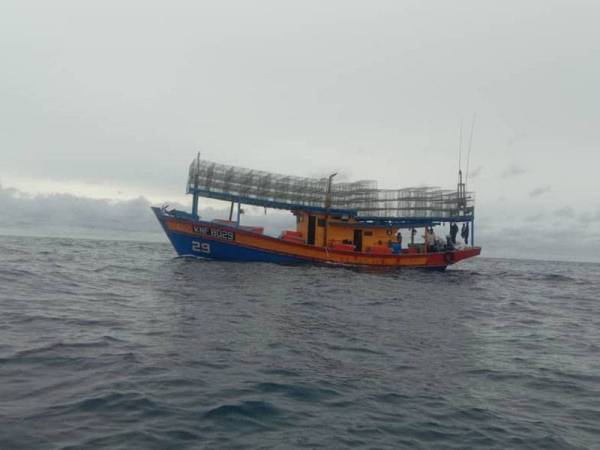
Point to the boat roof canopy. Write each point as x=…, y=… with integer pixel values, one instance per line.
x=360, y=199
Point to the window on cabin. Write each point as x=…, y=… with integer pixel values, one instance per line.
x=368, y=233
x=321, y=222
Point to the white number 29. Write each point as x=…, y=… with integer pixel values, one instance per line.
x=201, y=247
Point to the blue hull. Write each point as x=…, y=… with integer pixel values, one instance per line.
x=204, y=248
x=199, y=247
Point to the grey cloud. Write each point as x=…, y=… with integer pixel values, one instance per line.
x=516, y=138
x=513, y=170
x=535, y=217
x=64, y=214
x=473, y=174
x=565, y=212
x=540, y=241
x=40, y=212
x=592, y=216
x=344, y=75
x=539, y=191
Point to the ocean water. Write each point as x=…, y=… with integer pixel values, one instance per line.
x=121, y=345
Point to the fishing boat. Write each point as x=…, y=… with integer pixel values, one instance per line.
x=346, y=224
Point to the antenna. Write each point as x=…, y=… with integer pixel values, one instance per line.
x=460, y=146
x=328, y=195
x=460, y=188
x=470, y=144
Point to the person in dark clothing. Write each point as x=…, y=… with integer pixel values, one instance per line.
x=453, y=232
x=465, y=233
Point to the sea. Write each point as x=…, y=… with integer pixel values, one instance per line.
x=121, y=345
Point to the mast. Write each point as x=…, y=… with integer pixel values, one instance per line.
x=239, y=213
x=466, y=181
x=461, y=193
x=231, y=211
x=327, y=206
x=195, y=195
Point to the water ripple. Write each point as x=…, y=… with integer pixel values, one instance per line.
x=122, y=345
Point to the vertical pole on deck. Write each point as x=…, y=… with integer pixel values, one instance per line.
x=239, y=212
x=327, y=207
x=231, y=211
x=473, y=233
x=195, y=195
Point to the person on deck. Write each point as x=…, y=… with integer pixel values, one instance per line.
x=465, y=233
x=431, y=240
x=453, y=232
x=399, y=238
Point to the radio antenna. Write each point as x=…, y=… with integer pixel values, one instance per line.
x=460, y=139
x=470, y=145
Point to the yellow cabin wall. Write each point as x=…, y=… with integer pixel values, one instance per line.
x=339, y=231
x=339, y=234
x=302, y=224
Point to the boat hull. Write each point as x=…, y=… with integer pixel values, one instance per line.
x=216, y=241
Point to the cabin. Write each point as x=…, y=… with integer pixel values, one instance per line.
x=343, y=233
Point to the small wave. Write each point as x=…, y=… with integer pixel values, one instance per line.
x=392, y=398
x=282, y=372
x=557, y=277
x=182, y=435
x=297, y=391
x=470, y=414
x=119, y=401
x=116, y=440
x=494, y=374
x=540, y=276
x=13, y=272
x=122, y=403
x=62, y=346
x=27, y=319
x=121, y=268
x=573, y=376
x=547, y=384
x=355, y=349
x=208, y=364
x=251, y=409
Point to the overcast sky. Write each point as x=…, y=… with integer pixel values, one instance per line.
x=112, y=99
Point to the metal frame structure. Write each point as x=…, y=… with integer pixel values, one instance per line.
x=362, y=200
